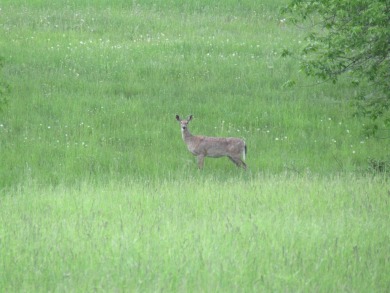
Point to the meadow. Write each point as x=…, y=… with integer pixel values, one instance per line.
x=98, y=191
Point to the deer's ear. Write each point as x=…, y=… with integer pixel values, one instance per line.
x=190, y=118
x=177, y=118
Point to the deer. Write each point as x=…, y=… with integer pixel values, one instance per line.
x=214, y=147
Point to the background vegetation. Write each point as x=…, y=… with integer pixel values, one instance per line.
x=98, y=191
x=352, y=39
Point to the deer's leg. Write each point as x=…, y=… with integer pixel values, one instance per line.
x=243, y=164
x=238, y=162
x=235, y=161
x=200, y=161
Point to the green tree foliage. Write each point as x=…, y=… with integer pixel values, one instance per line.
x=348, y=37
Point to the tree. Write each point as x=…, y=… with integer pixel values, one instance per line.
x=348, y=37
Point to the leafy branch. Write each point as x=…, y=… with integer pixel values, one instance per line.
x=347, y=37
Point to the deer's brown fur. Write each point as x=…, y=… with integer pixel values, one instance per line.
x=214, y=147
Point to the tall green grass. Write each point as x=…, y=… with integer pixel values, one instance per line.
x=95, y=87
x=267, y=233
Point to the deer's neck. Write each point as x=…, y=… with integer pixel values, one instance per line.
x=185, y=133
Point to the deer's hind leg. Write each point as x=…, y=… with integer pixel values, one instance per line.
x=238, y=162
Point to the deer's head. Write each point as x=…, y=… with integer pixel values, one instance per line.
x=183, y=122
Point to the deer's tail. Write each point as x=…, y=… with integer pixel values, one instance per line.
x=244, y=151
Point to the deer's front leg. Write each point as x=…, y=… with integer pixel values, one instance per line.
x=200, y=161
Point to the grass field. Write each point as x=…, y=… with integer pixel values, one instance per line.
x=98, y=191
x=268, y=233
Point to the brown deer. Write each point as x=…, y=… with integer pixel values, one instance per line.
x=214, y=147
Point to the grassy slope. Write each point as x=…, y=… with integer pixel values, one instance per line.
x=95, y=89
